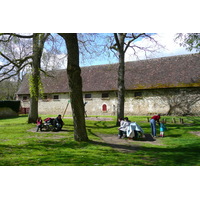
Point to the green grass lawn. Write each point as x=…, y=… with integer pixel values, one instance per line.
x=21, y=147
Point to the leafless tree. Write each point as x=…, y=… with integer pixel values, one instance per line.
x=54, y=54
x=120, y=43
x=15, y=54
x=13, y=63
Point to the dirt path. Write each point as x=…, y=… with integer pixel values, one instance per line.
x=195, y=133
x=127, y=145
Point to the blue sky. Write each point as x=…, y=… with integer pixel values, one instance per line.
x=171, y=48
x=167, y=40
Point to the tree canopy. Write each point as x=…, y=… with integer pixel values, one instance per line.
x=191, y=41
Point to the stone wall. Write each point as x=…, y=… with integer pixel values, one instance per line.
x=149, y=102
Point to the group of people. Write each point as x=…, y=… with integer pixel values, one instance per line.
x=124, y=123
x=153, y=120
x=129, y=129
x=126, y=126
x=57, y=123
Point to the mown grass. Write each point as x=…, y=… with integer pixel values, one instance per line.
x=21, y=147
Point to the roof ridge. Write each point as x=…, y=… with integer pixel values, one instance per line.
x=144, y=60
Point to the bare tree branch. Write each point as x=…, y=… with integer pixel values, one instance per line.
x=17, y=35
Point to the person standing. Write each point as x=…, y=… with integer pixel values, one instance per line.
x=162, y=128
x=153, y=121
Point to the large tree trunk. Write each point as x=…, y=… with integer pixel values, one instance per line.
x=38, y=44
x=121, y=74
x=33, y=84
x=75, y=84
x=121, y=88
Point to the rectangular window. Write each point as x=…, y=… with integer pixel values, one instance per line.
x=137, y=94
x=105, y=95
x=45, y=98
x=25, y=98
x=56, y=97
x=88, y=96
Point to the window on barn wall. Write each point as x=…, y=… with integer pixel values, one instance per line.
x=105, y=95
x=44, y=98
x=24, y=98
x=88, y=96
x=104, y=108
x=138, y=95
x=55, y=97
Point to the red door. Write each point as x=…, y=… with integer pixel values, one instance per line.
x=104, y=108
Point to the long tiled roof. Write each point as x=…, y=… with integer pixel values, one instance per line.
x=167, y=72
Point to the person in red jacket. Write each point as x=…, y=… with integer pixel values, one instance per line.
x=153, y=121
x=39, y=124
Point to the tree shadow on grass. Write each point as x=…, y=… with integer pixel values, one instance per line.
x=119, y=147
x=173, y=135
x=102, y=125
x=63, y=152
x=178, y=156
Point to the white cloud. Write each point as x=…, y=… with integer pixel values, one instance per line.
x=171, y=48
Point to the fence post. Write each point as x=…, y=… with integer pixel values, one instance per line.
x=174, y=120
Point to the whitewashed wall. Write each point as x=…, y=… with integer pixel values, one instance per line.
x=149, y=103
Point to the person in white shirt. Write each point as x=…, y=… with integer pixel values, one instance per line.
x=124, y=123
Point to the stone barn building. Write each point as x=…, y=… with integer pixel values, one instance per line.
x=168, y=85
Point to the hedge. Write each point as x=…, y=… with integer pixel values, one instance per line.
x=14, y=105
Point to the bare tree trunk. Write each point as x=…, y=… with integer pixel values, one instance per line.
x=75, y=84
x=121, y=87
x=123, y=41
x=121, y=73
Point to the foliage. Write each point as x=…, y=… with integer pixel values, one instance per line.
x=190, y=40
x=32, y=87
x=21, y=147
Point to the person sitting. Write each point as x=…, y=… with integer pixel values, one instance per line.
x=121, y=123
x=59, y=123
x=39, y=124
x=123, y=127
x=134, y=131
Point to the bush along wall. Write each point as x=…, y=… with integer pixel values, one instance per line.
x=9, y=109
